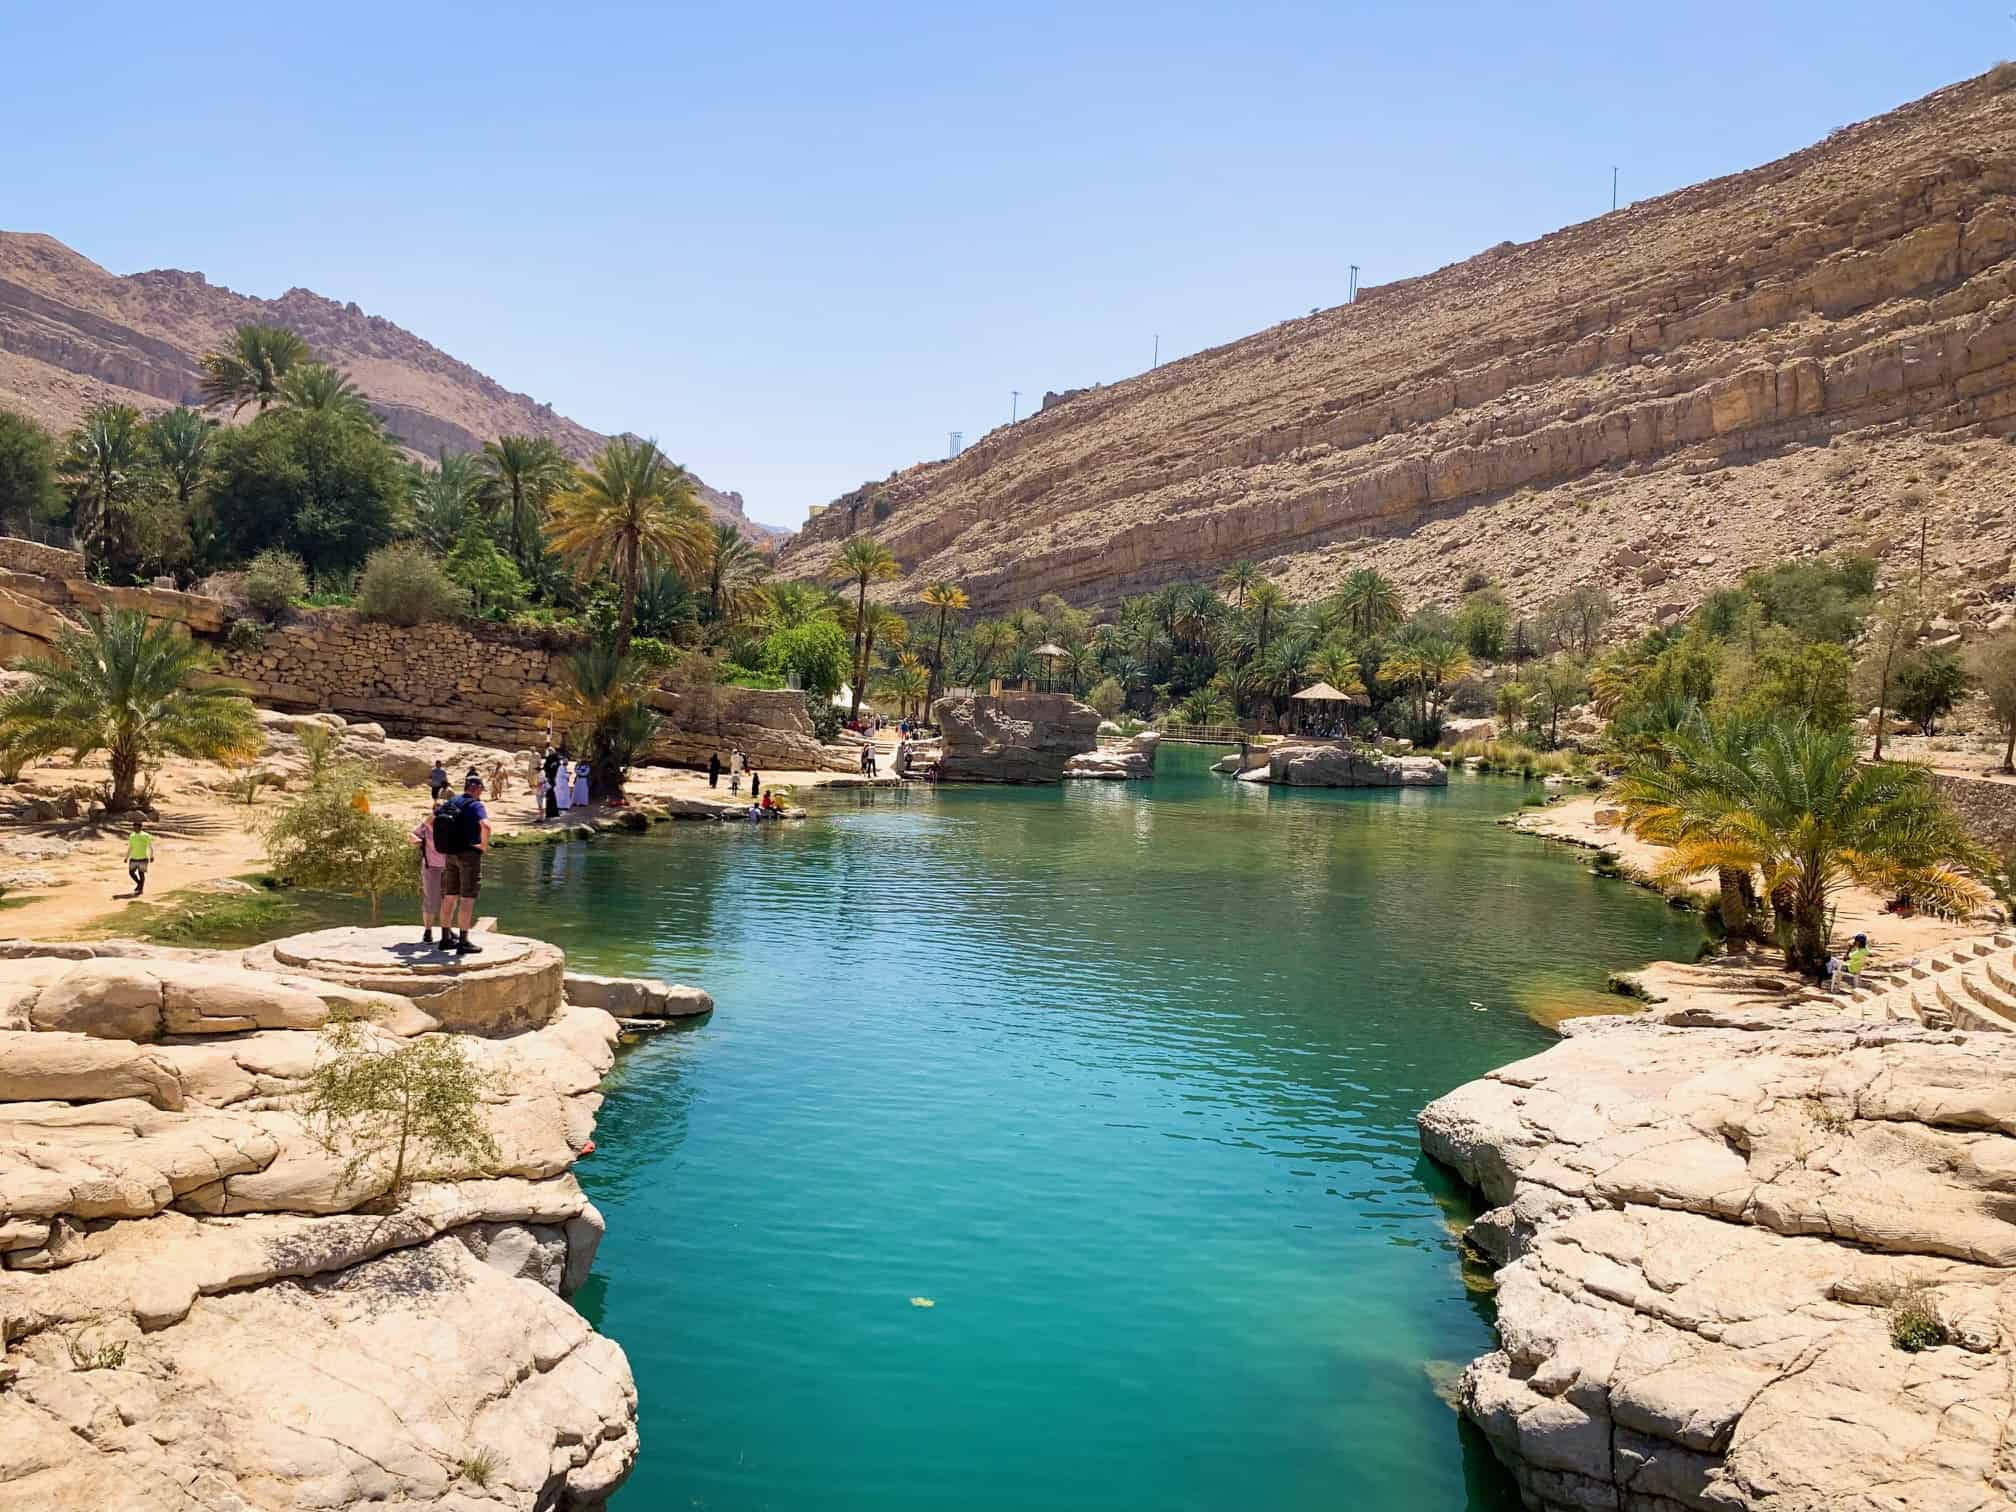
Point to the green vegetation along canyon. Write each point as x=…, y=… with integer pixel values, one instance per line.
x=1415, y=910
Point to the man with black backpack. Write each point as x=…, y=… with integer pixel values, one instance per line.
x=461, y=835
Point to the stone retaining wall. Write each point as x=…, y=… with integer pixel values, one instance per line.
x=17, y=555
x=1987, y=808
x=451, y=681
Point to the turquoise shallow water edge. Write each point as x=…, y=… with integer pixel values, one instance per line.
x=1122, y=1078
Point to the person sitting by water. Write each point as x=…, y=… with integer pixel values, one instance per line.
x=755, y=811
x=1830, y=974
x=769, y=805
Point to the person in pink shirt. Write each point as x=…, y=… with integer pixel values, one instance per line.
x=431, y=864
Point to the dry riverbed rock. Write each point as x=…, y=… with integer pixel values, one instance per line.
x=1713, y=1239
x=200, y=1310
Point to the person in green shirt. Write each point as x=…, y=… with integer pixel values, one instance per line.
x=139, y=851
x=1858, y=959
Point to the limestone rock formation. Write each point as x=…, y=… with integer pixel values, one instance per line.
x=1017, y=737
x=628, y=997
x=71, y=333
x=1342, y=764
x=201, y=1310
x=1714, y=1240
x=771, y=726
x=1807, y=353
x=1131, y=759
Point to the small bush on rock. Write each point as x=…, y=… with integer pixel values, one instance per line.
x=403, y=584
x=1914, y=1321
x=273, y=581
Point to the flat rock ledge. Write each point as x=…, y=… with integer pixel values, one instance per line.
x=1338, y=763
x=199, y=1312
x=1130, y=760
x=1707, y=1236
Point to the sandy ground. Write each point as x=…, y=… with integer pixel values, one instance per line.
x=64, y=877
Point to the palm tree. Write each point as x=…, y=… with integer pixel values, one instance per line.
x=1267, y=602
x=526, y=471
x=120, y=685
x=249, y=369
x=1427, y=664
x=735, y=571
x=105, y=461
x=603, y=704
x=864, y=560
x=874, y=624
x=991, y=637
x=1370, y=604
x=445, y=496
x=1239, y=578
x=945, y=598
x=790, y=605
x=1794, y=804
x=631, y=510
x=911, y=683
x=317, y=388
x=1336, y=665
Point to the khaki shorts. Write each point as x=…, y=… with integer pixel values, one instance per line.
x=430, y=888
x=462, y=874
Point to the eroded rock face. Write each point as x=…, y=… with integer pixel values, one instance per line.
x=1707, y=1234
x=203, y=1307
x=1654, y=400
x=1018, y=737
x=1342, y=764
x=1130, y=760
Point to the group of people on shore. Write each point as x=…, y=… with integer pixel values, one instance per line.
x=738, y=766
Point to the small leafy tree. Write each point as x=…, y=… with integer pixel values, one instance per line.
x=28, y=488
x=399, y=1101
x=274, y=580
x=604, y=705
x=1898, y=620
x=494, y=585
x=404, y=585
x=321, y=841
x=1928, y=685
x=1994, y=668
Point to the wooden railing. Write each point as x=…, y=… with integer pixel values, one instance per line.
x=1205, y=734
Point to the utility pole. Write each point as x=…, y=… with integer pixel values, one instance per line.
x=1613, y=186
x=1352, y=296
x=1014, y=405
x=1157, y=360
x=952, y=441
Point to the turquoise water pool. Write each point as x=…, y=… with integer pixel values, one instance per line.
x=1122, y=1079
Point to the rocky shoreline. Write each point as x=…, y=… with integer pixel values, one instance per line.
x=199, y=1311
x=1753, y=1246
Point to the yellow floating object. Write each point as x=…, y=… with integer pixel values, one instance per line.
x=922, y=1302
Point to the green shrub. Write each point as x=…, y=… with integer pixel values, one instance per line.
x=652, y=652
x=1914, y=1321
x=404, y=585
x=274, y=581
x=826, y=719
x=245, y=635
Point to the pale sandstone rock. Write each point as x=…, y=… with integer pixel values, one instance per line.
x=1702, y=1232
x=1130, y=760
x=218, y=1405
x=635, y=997
x=1018, y=737
x=1343, y=764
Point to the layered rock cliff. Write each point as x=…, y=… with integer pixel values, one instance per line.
x=72, y=333
x=1802, y=356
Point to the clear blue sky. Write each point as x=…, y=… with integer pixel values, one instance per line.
x=801, y=243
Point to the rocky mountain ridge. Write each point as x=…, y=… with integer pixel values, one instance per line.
x=72, y=333
x=1804, y=356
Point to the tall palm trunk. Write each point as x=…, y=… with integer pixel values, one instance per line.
x=1735, y=911
x=937, y=661
x=632, y=560
x=860, y=649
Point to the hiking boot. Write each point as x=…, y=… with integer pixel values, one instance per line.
x=426, y=937
x=466, y=946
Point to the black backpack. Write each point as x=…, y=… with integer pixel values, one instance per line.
x=456, y=827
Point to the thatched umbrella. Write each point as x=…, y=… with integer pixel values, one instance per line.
x=1323, y=692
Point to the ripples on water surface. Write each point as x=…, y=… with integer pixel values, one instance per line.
x=1122, y=1077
